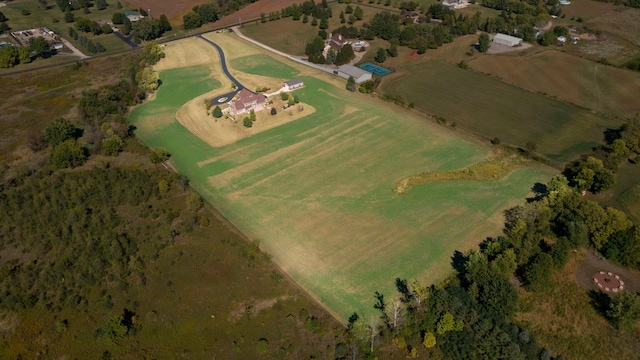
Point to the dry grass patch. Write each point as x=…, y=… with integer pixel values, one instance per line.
x=495, y=168
x=623, y=22
x=226, y=130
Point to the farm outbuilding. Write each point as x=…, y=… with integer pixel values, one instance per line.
x=293, y=84
x=508, y=40
x=359, y=75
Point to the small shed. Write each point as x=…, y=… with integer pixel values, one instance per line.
x=507, y=40
x=359, y=75
x=293, y=84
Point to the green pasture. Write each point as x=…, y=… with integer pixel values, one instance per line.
x=263, y=65
x=492, y=108
x=316, y=192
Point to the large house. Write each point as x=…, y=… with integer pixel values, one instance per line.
x=453, y=4
x=337, y=41
x=245, y=101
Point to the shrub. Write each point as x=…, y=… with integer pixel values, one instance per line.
x=26, y=12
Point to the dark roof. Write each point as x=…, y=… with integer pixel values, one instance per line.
x=337, y=41
x=293, y=82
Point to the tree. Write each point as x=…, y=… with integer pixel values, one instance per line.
x=126, y=26
x=274, y=111
x=314, y=22
x=324, y=23
x=191, y=20
x=158, y=155
x=68, y=154
x=381, y=55
x=147, y=29
x=3, y=18
x=39, y=46
x=208, y=12
x=3, y=27
x=531, y=147
x=112, y=145
x=247, y=122
x=152, y=53
x=484, y=42
x=263, y=18
x=345, y=54
x=351, y=84
x=429, y=340
x=499, y=296
x=101, y=4
x=147, y=80
x=358, y=13
x=164, y=24
x=393, y=49
x=106, y=29
x=8, y=57
x=624, y=310
x=23, y=55
x=59, y=130
x=114, y=331
x=117, y=18
x=217, y=112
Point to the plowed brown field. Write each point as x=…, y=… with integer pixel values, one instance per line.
x=176, y=9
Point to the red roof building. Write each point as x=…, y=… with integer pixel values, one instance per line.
x=245, y=101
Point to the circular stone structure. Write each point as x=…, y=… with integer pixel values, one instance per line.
x=608, y=281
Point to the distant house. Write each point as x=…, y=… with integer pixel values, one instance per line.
x=562, y=40
x=337, y=41
x=359, y=75
x=245, y=101
x=414, y=16
x=453, y=4
x=293, y=84
x=507, y=40
x=133, y=16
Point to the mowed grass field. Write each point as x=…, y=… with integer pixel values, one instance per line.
x=316, y=192
x=292, y=36
x=588, y=84
x=493, y=108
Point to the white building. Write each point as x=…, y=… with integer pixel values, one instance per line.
x=359, y=75
x=508, y=40
x=293, y=84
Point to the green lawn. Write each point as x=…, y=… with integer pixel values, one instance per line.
x=317, y=191
x=492, y=108
x=263, y=65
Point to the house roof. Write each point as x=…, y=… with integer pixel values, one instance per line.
x=131, y=13
x=245, y=98
x=507, y=38
x=293, y=82
x=337, y=41
x=350, y=70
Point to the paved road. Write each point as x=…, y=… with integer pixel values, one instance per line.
x=125, y=39
x=223, y=61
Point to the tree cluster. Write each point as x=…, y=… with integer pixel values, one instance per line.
x=211, y=11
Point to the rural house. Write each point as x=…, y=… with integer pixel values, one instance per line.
x=337, y=41
x=414, y=16
x=293, y=84
x=453, y=4
x=133, y=16
x=359, y=75
x=507, y=40
x=246, y=101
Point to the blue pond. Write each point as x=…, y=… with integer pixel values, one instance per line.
x=375, y=69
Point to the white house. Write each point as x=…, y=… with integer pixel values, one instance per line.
x=359, y=75
x=293, y=84
x=507, y=40
x=453, y=4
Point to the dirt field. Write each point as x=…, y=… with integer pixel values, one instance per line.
x=176, y=9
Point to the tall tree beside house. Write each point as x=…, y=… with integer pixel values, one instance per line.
x=351, y=84
x=381, y=55
x=314, y=50
x=217, y=112
x=164, y=24
x=345, y=54
x=484, y=42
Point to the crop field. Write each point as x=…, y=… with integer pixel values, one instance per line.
x=587, y=9
x=588, y=84
x=317, y=192
x=492, y=108
x=623, y=22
